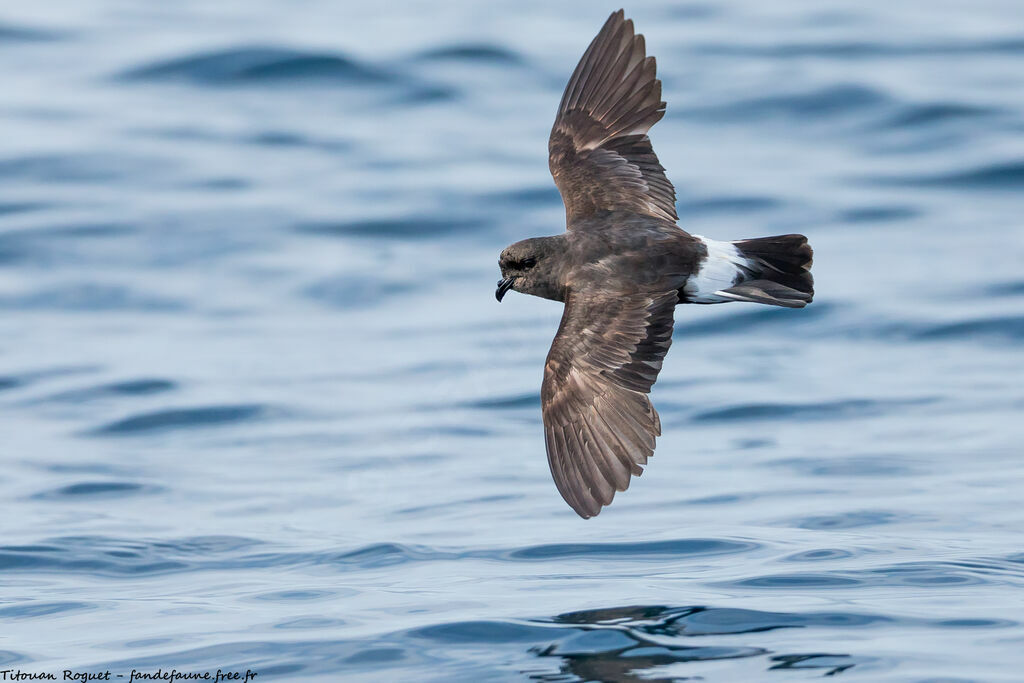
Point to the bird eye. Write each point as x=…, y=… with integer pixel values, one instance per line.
x=529, y=263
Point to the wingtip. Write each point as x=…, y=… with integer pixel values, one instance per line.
x=615, y=18
x=588, y=513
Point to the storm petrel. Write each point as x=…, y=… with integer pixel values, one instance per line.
x=620, y=268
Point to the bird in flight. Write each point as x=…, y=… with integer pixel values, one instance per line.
x=621, y=267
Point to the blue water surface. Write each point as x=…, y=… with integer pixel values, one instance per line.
x=259, y=408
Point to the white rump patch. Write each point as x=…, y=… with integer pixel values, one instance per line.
x=720, y=270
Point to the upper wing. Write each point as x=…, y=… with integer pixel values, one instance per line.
x=599, y=152
x=599, y=425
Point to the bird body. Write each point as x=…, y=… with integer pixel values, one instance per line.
x=621, y=268
x=619, y=252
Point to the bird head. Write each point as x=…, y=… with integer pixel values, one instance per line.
x=530, y=267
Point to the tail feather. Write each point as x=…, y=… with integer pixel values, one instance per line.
x=783, y=253
x=768, y=292
x=769, y=270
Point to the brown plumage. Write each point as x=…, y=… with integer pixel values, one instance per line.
x=599, y=152
x=621, y=268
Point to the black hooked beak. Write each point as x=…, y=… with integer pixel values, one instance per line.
x=503, y=286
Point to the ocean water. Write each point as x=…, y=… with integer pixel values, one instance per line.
x=259, y=409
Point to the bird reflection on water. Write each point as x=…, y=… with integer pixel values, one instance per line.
x=631, y=643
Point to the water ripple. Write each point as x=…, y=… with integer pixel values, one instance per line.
x=825, y=410
x=507, y=402
x=356, y=291
x=935, y=575
x=486, y=53
x=181, y=418
x=847, y=520
x=678, y=548
x=127, y=388
x=878, y=214
x=1013, y=288
x=757, y=321
x=8, y=657
x=932, y=113
x=865, y=49
x=29, y=378
x=10, y=208
x=416, y=227
x=9, y=383
x=726, y=204
x=105, y=556
x=97, y=489
x=29, y=610
x=816, y=105
x=90, y=296
x=819, y=555
x=1000, y=176
x=259, y=64
x=848, y=466
x=1000, y=328
x=12, y=33
x=73, y=168
x=94, y=553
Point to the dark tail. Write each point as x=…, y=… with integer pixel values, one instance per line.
x=777, y=272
